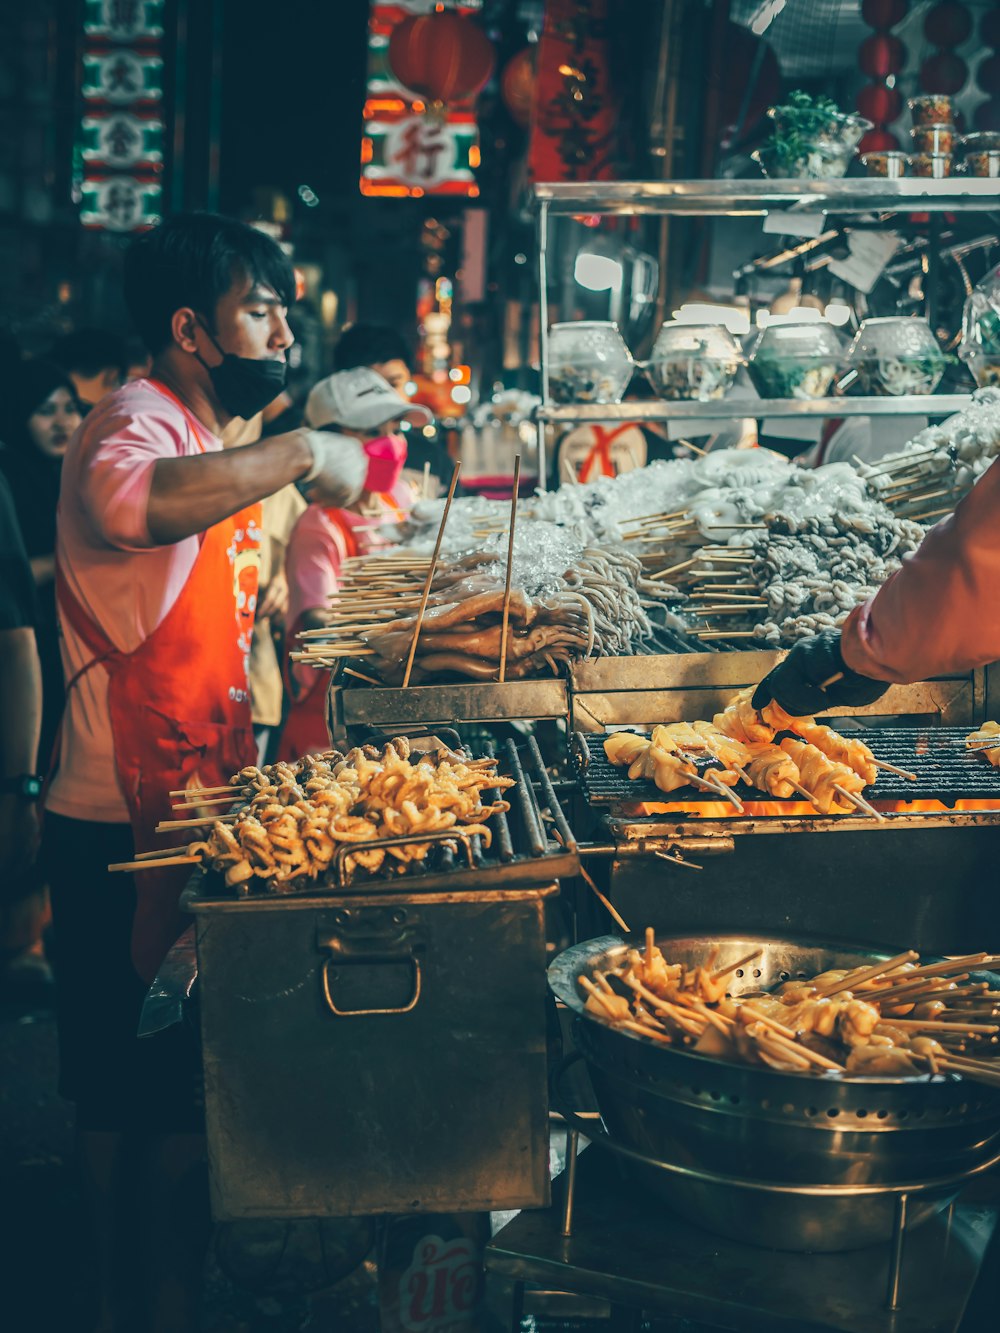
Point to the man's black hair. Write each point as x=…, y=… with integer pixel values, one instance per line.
x=369, y=345
x=193, y=259
x=89, y=351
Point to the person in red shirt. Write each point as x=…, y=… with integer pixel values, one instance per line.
x=362, y=405
x=156, y=583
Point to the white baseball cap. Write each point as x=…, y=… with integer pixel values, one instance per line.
x=359, y=399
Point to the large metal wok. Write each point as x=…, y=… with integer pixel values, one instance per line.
x=732, y=1134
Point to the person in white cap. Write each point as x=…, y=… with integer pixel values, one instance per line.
x=363, y=406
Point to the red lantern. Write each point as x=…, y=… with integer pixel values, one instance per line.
x=878, y=141
x=881, y=55
x=442, y=56
x=947, y=24
x=883, y=14
x=517, y=86
x=880, y=104
x=944, y=72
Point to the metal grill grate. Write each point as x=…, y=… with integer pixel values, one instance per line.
x=946, y=771
x=531, y=843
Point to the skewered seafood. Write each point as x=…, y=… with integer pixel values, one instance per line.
x=842, y=749
x=773, y=771
x=740, y=720
x=986, y=740
x=840, y=1022
x=295, y=816
x=822, y=776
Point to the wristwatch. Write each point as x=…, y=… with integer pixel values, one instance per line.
x=26, y=785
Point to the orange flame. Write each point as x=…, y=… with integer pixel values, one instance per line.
x=789, y=809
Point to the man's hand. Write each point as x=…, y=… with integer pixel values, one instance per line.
x=813, y=677
x=340, y=467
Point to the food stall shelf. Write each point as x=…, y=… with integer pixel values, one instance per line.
x=730, y=198
x=425, y=705
x=924, y=405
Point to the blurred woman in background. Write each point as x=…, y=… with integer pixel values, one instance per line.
x=39, y=413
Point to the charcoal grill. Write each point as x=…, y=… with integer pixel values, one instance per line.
x=947, y=771
x=919, y=877
x=379, y=1045
x=819, y=1158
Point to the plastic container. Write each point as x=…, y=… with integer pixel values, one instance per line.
x=985, y=163
x=835, y=129
x=693, y=361
x=980, y=141
x=934, y=165
x=980, y=345
x=985, y=369
x=891, y=165
x=589, y=362
x=896, y=356
x=933, y=138
x=821, y=160
x=931, y=109
x=796, y=360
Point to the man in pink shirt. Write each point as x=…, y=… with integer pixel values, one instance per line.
x=359, y=404
x=157, y=558
x=936, y=615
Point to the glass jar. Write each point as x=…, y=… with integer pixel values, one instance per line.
x=588, y=362
x=891, y=165
x=933, y=138
x=693, y=361
x=796, y=360
x=897, y=355
x=933, y=165
x=931, y=109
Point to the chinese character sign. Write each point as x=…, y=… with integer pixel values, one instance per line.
x=121, y=139
x=404, y=151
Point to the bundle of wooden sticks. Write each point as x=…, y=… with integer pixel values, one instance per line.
x=893, y=1018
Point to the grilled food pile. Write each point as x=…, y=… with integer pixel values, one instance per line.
x=816, y=762
x=893, y=1019
x=295, y=816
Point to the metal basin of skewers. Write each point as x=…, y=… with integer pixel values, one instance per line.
x=733, y=1134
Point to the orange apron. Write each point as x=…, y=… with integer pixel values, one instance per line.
x=305, y=730
x=179, y=703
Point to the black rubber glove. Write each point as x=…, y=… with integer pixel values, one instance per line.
x=803, y=683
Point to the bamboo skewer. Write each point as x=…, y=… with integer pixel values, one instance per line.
x=963, y=964
x=171, y=825
x=208, y=791
x=804, y=791
x=430, y=575
x=859, y=802
x=608, y=906
x=203, y=805
x=891, y=768
x=160, y=864
x=935, y=1025
x=855, y=979
x=505, y=618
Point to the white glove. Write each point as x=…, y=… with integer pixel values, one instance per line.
x=340, y=465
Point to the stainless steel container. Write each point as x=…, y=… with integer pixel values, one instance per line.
x=374, y=1052
x=747, y=1129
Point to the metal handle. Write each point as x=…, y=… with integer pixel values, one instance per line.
x=413, y=961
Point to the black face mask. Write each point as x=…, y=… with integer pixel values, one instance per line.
x=243, y=386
